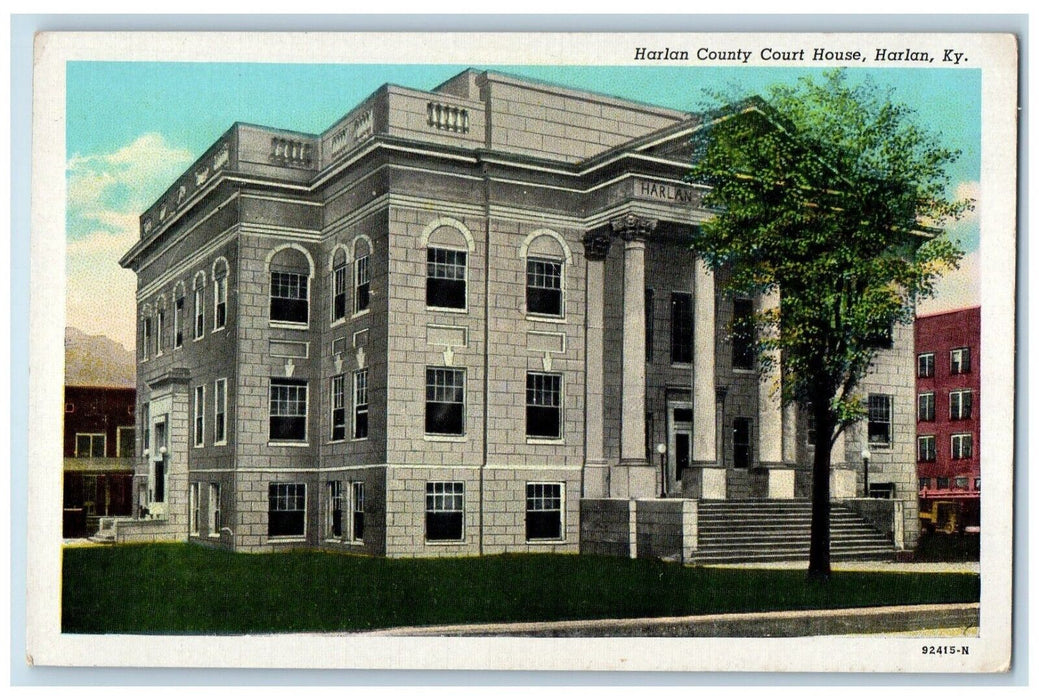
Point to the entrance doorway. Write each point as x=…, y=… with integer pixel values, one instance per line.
x=679, y=442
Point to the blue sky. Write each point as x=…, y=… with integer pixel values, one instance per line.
x=132, y=127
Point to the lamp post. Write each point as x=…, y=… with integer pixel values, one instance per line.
x=865, y=470
x=662, y=451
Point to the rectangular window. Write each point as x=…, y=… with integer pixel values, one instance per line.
x=286, y=511
x=289, y=297
x=146, y=427
x=357, y=511
x=200, y=312
x=90, y=445
x=288, y=410
x=214, y=510
x=445, y=278
x=193, y=507
x=338, y=407
x=925, y=364
x=681, y=327
x=959, y=361
x=743, y=354
x=960, y=404
x=810, y=431
x=925, y=482
x=925, y=449
x=544, y=405
x=220, y=411
x=544, y=511
x=544, y=287
x=883, y=339
x=160, y=328
x=335, y=509
x=200, y=416
x=925, y=406
x=445, y=401
x=362, y=284
x=146, y=342
x=962, y=446
x=360, y=404
x=961, y=483
x=942, y=482
x=126, y=441
x=879, y=426
x=649, y=324
x=741, y=452
x=445, y=506
x=219, y=303
x=339, y=292
x=178, y=322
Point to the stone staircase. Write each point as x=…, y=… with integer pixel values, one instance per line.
x=746, y=531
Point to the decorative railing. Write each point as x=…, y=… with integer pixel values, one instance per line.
x=447, y=117
x=291, y=152
x=356, y=131
x=181, y=191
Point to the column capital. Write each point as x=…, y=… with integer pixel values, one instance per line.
x=597, y=245
x=633, y=228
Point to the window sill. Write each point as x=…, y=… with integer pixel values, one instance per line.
x=359, y=439
x=443, y=543
x=336, y=322
x=336, y=441
x=281, y=539
x=561, y=540
x=880, y=445
x=444, y=438
x=213, y=535
x=283, y=443
x=195, y=340
x=290, y=325
x=736, y=370
x=358, y=314
x=678, y=365
x=546, y=319
x=448, y=310
x=219, y=328
x=222, y=443
x=545, y=441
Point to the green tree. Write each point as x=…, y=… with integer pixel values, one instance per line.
x=832, y=195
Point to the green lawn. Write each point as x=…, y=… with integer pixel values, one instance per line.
x=186, y=588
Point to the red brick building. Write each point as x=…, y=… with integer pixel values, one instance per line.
x=948, y=383
x=99, y=450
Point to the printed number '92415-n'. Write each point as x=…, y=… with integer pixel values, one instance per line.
x=942, y=650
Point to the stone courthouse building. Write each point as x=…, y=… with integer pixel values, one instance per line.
x=451, y=323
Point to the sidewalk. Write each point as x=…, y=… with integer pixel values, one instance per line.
x=923, y=567
x=952, y=620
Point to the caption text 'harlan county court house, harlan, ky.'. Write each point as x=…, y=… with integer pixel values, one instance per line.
x=468, y=321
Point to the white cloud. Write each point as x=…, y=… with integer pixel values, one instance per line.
x=106, y=196
x=956, y=289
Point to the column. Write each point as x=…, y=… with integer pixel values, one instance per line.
x=705, y=446
x=641, y=476
x=770, y=405
x=596, y=248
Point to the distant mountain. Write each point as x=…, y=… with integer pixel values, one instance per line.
x=96, y=360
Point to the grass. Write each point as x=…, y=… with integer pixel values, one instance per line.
x=181, y=588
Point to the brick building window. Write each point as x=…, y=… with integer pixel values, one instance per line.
x=200, y=305
x=338, y=403
x=199, y=424
x=743, y=354
x=288, y=410
x=125, y=441
x=146, y=334
x=90, y=444
x=335, y=509
x=925, y=406
x=445, y=401
x=446, y=278
x=544, y=405
x=959, y=361
x=357, y=511
x=925, y=364
x=286, y=510
x=360, y=404
x=925, y=449
x=681, y=327
x=194, y=509
x=214, y=510
x=960, y=404
x=362, y=285
x=879, y=423
x=544, y=511
x=445, y=510
x=544, y=287
x=178, y=321
x=220, y=411
x=219, y=294
x=289, y=297
x=160, y=329
x=339, y=284
x=962, y=446
x=741, y=447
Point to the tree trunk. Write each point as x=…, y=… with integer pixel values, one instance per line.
x=819, y=549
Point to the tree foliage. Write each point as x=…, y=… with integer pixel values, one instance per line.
x=830, y=193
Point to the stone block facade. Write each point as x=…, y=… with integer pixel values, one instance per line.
x=458, y=322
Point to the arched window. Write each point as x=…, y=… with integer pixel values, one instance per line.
x=200, y=304
x=219, y=293
x=160, y=324
x=178, y=315
x=362, y=274
x=448, y=246
x=546, y=255
x=340, y=263
x=290, y=270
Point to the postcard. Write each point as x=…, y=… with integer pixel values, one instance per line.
x=523, y=351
